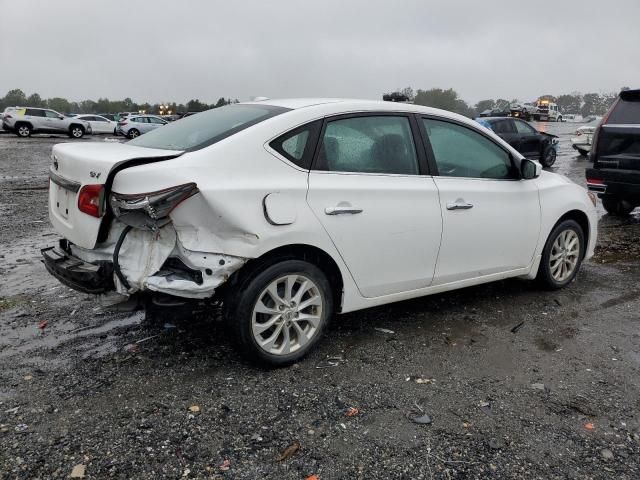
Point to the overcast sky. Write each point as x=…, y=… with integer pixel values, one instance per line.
x=159, y=50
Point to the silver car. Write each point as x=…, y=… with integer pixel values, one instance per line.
x=26, y=120
x=135, y=125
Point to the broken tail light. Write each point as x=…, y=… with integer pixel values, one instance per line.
x=150, y=211
x=90, y=200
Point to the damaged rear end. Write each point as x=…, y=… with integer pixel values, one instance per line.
x=124, y=243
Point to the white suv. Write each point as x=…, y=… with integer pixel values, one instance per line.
x=290, y=211
x=27, y=120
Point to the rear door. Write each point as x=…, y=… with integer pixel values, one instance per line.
x=36, y=117
x=369, y=189
x=505, y=129
x=491, y=218
x=530, y=139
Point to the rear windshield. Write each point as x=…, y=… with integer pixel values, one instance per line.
x=206, y=128
x=626, y=111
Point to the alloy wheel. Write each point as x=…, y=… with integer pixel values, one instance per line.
x=76, y=132
x=287, y=314
x=23, y=131
x=565, y=254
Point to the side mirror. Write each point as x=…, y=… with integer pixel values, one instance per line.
x=61, y=117
x=530, y=169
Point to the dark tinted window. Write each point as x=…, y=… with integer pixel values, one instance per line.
x=503, y=126
x=368, y=144
x=298, y=145
x=207, y=128
x=626, y=111
x=462, y=152
x=524, y=127
x=35, y=112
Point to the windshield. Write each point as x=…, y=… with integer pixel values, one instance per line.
x=206, y=128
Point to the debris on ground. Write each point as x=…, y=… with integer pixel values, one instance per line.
x=78, y=471
x=606, y=454
x=538, y=386
x=288, y=452
x=589, y=426
x=330, y=362
x=517, y=327
x=225, y=465
x=28, y=377
x=352, y=412
x=422, y=419
x=194, y=408
x=425, y=380
x=384, y=330
x=312, y=477
x=43, y=324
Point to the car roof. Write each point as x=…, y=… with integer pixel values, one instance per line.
x=489, y=119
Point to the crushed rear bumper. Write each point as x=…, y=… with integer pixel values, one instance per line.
x=95, y=277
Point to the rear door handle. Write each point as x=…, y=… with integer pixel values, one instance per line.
x=342, y=210
x=459, y=206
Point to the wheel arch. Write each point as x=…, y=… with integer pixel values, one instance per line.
x=71, y=125
x=299, y=251
x=581, y=219
x=23, y=122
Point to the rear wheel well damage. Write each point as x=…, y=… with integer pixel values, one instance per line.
x=307, y=253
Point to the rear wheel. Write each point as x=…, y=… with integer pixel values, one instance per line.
x=76, y=131
x=562, y=255
x=617, y=207
x=133, y=133
x=278, y=313
x=23, y=130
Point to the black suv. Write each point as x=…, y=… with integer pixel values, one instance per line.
x=615, y=154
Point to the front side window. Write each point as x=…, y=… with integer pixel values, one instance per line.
x=208, y=127
x=524, y=128
x=51, y=114
x=368, y=144
x=461, y=152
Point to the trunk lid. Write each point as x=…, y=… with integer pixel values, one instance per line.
x=75, y=166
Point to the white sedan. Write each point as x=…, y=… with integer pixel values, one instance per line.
x=99, y=124
x=291, y=211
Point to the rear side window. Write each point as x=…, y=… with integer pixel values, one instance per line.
x=625, y=112
x=206, y=128
x=34, y=112
x=368, y=144
x=298, y=145
x=503, y=126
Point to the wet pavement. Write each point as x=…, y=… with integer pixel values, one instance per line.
x=518, y=382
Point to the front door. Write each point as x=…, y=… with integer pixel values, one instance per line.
x=53, y=122
x=491, y=217
x=382, y=214
x=530, y=140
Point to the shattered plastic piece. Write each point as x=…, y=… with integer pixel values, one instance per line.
x=589, y=426
x=312, y=477
x=423, y=419
x=330, y=362
x=226, y=465
x=186, y=472
x=78, y=471
x=194, y=408
x=288, y=452
x=43, y=324
x=384, y=330
x=146, y=339
x=352, y=412
x=132, y=348
x=425, y=380
x=21, y=427
x=517, y=327
x=28, y=377
x=538, y=386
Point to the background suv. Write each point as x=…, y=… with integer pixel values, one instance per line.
x=25, y=120
x=615, y=154
x=135, y=125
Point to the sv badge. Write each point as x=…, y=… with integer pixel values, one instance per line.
x=94, y=174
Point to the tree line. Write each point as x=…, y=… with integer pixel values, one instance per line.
x=17, y=98
x=575, y=102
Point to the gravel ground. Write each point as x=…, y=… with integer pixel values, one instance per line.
x=518, y=383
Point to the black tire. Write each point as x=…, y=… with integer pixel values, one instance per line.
x=76, y=131
x=133, y=133
x=617, y=207
x=545, y=276
x=548, y=157
x=246, y=291
x=23, y=130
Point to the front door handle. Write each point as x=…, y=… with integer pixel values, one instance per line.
x=459, y=205
x=339, y=210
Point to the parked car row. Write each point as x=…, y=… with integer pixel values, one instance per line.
x=24, y=121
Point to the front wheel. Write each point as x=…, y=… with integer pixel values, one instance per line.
x=617, y=207
x=76, y=131
x=562, y=255
x=279, y=313
x=548, y=157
